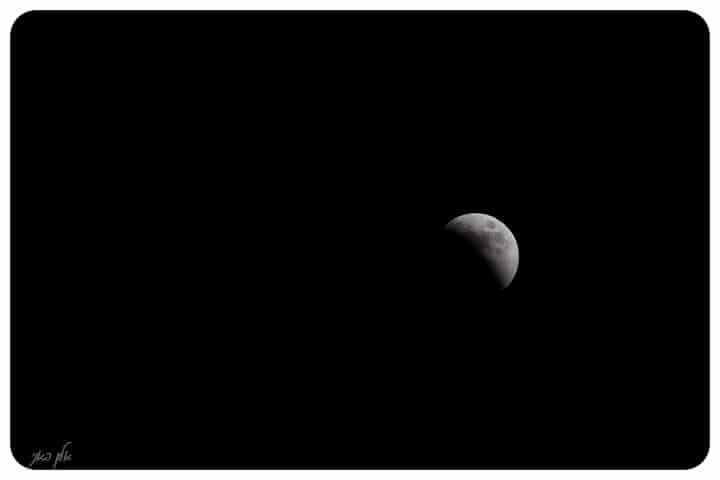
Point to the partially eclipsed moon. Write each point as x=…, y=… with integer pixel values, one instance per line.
x=491, y=241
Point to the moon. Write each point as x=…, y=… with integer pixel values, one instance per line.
x=485, y=238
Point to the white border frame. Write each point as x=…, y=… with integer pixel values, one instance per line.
x=11, y=9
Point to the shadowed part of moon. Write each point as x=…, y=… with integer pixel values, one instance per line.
x=482, y=250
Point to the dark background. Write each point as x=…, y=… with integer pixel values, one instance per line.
x=226, y=239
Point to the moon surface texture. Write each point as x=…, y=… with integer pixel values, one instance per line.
x=485, y=238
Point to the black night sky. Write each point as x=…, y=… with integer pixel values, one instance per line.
x=227, y=229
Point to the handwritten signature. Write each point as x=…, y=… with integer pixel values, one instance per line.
x=42, y=457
